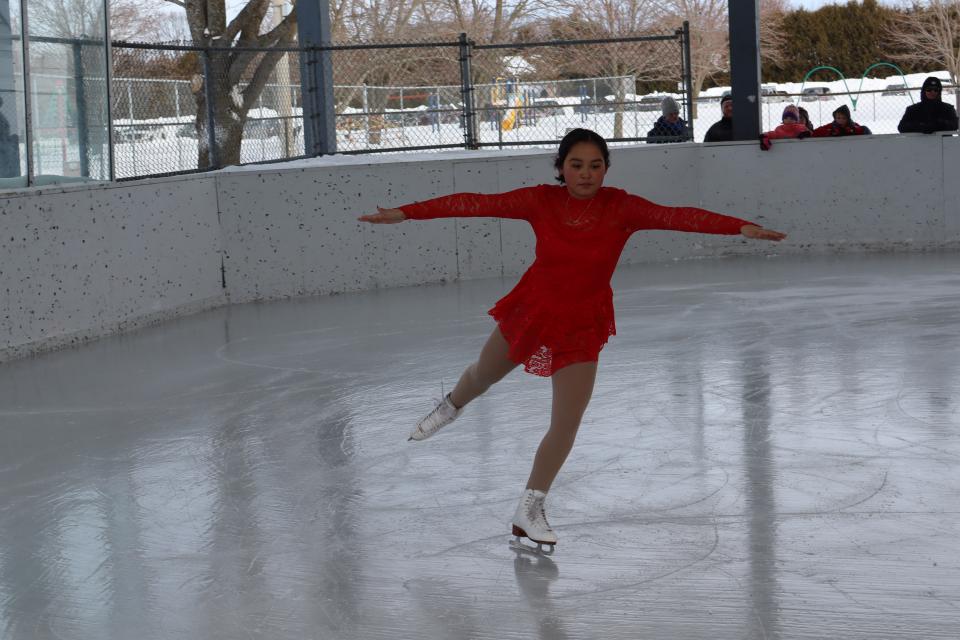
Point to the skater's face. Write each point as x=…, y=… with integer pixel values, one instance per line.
x=841, y=119
x=583, y=170
x=727, y=108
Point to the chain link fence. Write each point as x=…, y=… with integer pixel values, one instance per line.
x=878, y=109
x=391, y=97
x=164, y=97
x=613, y=87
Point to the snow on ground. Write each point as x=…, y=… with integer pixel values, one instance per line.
x=166, y=145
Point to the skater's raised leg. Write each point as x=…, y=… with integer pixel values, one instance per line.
x=572, y=388
x=494, y=363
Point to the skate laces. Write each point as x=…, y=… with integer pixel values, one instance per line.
x=440, y=416
x=443, y=409
x=536, y=512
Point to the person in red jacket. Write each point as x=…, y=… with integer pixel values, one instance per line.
x=560, y=314
x=791, y=127
x=842, y=125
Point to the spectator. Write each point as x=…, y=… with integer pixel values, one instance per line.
x=791, y=126
x=842, y=125
x=491, y=116
x=805, y=119
x=670, y=127
x=584, y=99
x=722, y=131
x=433, y=105
x=931, y=113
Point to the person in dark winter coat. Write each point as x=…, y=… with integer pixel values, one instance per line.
x=722, y=131
x=670, y=127
x=931, y=113
x=805, y=119
x=842, y=125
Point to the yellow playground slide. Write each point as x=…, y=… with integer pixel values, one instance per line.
x=510, y=120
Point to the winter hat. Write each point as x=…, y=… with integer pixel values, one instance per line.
x=668, y=106
x=844, y=109
x=933, y=82
x=791, y=111
x=726, y=97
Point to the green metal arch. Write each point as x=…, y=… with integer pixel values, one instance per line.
x=853, y=99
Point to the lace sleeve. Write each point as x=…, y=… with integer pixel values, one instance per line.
x=519, y=204
x=640, y=213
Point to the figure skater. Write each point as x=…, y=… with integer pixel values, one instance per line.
x=560, y=315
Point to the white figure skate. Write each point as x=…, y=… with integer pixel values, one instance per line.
x=530, y=521
x=441, y=416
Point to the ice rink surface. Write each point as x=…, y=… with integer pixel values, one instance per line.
x=772, y=451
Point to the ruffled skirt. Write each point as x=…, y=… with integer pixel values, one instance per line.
x=549, y=332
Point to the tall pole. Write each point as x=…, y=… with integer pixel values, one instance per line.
x=745, y=68
x=688, y=76
x=316, y=77
x=108, y=74
x=9, y=131
x=27, y=88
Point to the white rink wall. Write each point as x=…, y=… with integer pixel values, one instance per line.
x=84, y=261
x=90, y=260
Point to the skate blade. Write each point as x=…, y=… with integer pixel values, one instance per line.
x=520, y=547
x=517, y=543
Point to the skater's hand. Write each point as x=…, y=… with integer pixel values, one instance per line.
x=759, y=233
x=384, y=216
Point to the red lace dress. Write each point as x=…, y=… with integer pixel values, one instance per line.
x=561, y=311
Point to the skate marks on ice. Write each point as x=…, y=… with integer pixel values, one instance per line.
x=749, y=468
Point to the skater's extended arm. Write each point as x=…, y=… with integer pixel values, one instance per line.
x=643, y=214
x=518, y=204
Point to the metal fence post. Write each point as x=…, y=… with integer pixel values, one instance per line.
x=213, y=160
x=688, y=74
x=130, y=132
x=366, y=113
x=83, y=134
x=27, y=92
x=596, y=102
x=108, y=73
x=436, y=92
x=466, y=90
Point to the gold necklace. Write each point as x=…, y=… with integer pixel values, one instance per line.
x=573, y=222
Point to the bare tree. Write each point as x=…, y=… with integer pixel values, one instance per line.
x=772, y=38
x=709, y=51
x=610, y=19
x=129, y=19
x=482, y=20
x=710, y=35
x=928, y=33
x=384, y=21
x=236, y=78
